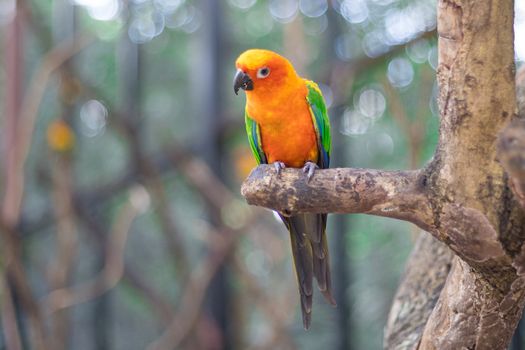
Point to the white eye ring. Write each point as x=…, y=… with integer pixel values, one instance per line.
x=263, y=72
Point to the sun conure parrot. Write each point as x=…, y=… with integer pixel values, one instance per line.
x=288, y=126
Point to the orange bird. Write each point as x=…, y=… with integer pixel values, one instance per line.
x=288, y=126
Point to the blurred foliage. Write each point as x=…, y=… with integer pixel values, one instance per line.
x=141, y=89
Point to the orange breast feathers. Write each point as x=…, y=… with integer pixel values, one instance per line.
x=287, y=131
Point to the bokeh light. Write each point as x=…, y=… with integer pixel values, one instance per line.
x=242, y=4
x=313, y=8
x=418, y=50
x=400, y=72
x=315, y=25
x=257, y=25
x=328, y=94
x=7, y=10
x=347, y=46
x=93, y=115
x=102, y=10
x=257, y=262
x=354, y=123
x=374, y=44
x=371, y=103
x=283, y=11
x=404, y=24
x=146, y=24
x=433, y=57
x=168, y=6
x=354, y=11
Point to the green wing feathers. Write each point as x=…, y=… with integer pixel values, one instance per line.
x=321, y=123
x=254, y=138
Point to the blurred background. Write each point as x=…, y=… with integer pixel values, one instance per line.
x=123, y=150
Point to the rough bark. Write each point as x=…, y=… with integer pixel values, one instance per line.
x=482, y=300
x=426, y=271
x=396, y=194
x=472, y=314
x=463, y=197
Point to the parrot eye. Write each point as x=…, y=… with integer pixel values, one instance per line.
x=263, y=72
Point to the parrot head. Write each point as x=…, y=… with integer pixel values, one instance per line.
x=260, y=71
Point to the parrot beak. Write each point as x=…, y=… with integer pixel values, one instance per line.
x=242, y=81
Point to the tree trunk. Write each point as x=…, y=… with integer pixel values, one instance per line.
x=482, y=300
x=463, y=197
x=426, y=272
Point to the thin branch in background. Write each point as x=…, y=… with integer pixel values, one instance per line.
x=160, y=305
x=152, y=179
x=114, y=263
x=14, y=179
x=37, y=86
x=163, y=208
x=9, y=321
x=277, y=310
x=413, y=130
x=12, y=103
x=192, y=299
x=220, y=245
x=66, y=241
x=61, y=142
x=172, y=233
x=201, y=177
x=15, y=273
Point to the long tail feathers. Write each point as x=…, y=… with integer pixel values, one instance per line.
x=310, y=255
x=302, y=257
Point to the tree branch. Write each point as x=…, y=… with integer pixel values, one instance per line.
x=112, y=272
x=394, y=194
x=14, y=182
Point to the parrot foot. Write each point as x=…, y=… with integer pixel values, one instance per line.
x=309, y=169
x=278, y=167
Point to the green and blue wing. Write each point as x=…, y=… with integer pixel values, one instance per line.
x=254, y=137
x=321, y=123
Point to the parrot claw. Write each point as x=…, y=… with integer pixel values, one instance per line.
x=279, y=166
x=309, y=169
